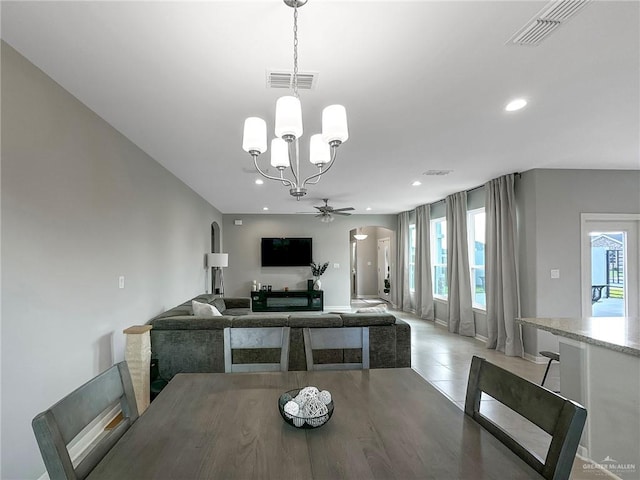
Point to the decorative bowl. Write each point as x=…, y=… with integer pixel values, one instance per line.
x=300, y=421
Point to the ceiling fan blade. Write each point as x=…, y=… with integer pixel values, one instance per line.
x=341, y=213
x=343, y=209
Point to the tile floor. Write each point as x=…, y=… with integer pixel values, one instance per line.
x=443, y=359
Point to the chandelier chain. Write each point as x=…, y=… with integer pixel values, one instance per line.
x=295, y=50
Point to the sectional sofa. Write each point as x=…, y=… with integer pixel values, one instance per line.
x=183, y=342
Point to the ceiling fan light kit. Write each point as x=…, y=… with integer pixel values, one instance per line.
x=288, y=129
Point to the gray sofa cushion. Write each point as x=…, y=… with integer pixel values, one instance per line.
x=189, y=322
x=175, y=312
x=236, y=312
x=367, y=319
x=324, y=320
x=260, y=321
x=219, y=304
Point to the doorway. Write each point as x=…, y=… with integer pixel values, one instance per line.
x=610, y=265
x=384, y=268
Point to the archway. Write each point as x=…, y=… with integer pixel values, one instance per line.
x=371, y=274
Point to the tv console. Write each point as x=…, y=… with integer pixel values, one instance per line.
x=287, y=301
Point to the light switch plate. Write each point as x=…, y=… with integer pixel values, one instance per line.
x=121, y=281
x=555, y=273
x=336, y=265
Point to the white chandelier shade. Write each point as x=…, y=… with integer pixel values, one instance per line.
x=319, y=151
x=279, y=153
x=288, y=117
x=334, y=124
x=255, y=135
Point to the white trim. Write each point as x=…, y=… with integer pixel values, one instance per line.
x=442, y=322
x=80, y=446
x=535, y=358
x=585, y=253
x=482, y=338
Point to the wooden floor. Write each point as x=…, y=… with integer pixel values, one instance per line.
x=443, y=359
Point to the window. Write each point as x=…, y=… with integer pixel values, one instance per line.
x=475, y=232
x=412, y=257
x=439, y=257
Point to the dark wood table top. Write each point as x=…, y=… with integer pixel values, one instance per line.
x=387, y=423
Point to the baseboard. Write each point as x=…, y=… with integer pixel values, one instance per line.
x=482, y=338
x=535, y=358
x=78, y=448
x=442, y=322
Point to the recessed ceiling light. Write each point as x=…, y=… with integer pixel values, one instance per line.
x=368, y=209
x=516, y=104
x=416, y=183
x=265, y=208
x=259, y=181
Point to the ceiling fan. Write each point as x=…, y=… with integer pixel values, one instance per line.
x=326, y=212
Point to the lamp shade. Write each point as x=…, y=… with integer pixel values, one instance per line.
x=279, y=153
x=217, y=259
x=255, y=135
x=288, y=117
x=319, y=152
x=334, y=124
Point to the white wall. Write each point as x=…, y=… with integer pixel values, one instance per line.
x=330, y=244
x=81, y=205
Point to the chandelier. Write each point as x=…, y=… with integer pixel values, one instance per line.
x=288, y=129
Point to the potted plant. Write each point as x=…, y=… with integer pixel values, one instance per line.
x=317, y=270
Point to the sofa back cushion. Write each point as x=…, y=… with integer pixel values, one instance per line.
x=189, y=322
x=367, y=319
x=219, y=304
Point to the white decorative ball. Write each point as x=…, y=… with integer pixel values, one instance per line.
x=325, y=397
x=317, y=421
x=313, y=408
x=309, y=391
x=291, y=409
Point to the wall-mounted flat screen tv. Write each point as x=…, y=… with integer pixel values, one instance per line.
x=286, y=252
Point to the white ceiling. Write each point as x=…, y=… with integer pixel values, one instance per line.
x=424, y=84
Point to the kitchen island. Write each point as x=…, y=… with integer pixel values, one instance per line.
x=600, y=369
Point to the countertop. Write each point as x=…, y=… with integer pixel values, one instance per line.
x=621, y=334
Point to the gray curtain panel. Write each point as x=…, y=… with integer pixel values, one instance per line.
x=424, y=290
x=401, y=294
x=501, y=267
x=458, y=277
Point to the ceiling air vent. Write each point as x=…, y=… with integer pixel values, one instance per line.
x=547, y=21
x=284, y=79
x=437, y=172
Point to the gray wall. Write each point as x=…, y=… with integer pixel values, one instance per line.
x=330, y=244
x=550, y=203
x=81, y=205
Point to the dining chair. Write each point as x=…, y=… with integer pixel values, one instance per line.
x=551, y=356
x=254, y=338
x=336, y=338
x=57, y=426
x=561, y=418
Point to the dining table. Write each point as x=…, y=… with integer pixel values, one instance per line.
x=386, y=424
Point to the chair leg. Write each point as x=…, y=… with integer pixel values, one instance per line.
x=546, y=372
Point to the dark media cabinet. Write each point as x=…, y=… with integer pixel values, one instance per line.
x=287, y=301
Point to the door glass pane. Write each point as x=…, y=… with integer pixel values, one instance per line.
x=608, y=273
